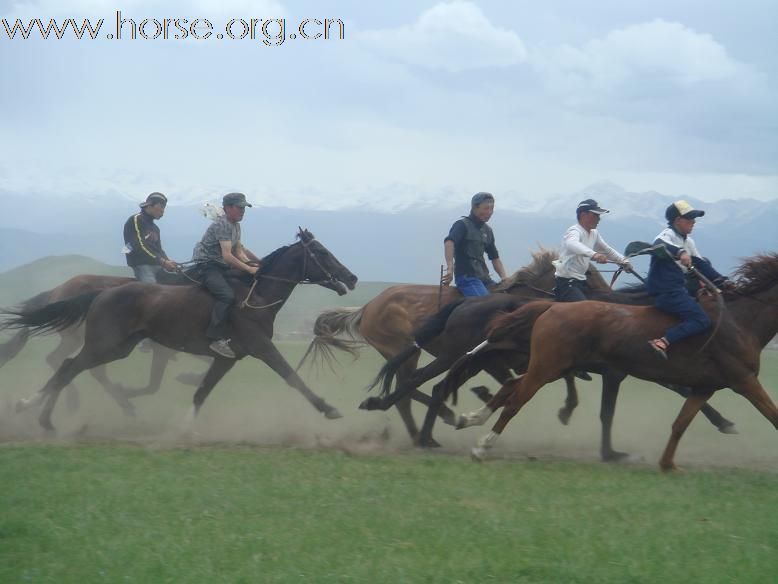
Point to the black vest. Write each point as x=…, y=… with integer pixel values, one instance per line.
x=469, y=253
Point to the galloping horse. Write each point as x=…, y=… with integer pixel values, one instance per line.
x=389, y=320
x=462, y=326
x=177, y=317
x=72, y=338
x=565, y=336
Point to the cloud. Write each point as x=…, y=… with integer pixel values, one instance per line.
x=649, y=58
x=453, y=36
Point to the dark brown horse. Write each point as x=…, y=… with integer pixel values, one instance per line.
x=177, y=317
x=388, y=321
x=71, y=339
x=565, y=336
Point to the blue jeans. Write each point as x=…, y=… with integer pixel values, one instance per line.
x=680, y=304
x=471, y=286
x=146, y=273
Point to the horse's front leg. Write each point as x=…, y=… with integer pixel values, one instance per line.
x=266, y=351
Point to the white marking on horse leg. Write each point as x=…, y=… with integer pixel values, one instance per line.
x=30, y=402
x=483, y=445
x=476, y=418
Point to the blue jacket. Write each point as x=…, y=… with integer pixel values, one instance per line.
x=665, y=275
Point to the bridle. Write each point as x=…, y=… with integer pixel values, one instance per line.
x=328, y=279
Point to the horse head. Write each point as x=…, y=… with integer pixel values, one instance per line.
x=322, y=267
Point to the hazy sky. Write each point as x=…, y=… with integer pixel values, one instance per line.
x=422, y=99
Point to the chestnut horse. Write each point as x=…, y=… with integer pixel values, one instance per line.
x=565, y=336
x=388, y=321
x=177, y=317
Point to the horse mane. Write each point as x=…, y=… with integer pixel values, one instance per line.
x=757, y=273
x=303, y=235
x=542, y=263
x=541, y=260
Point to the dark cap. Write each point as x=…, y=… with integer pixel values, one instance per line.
x=237, y=199
x=153, y=199
x=479, y=198
x=682, y=209
x=590, y=205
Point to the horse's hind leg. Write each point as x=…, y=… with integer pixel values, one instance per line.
x=753, y=391
x=571, y=400
x=161, y=356
x=91, y=355
x=71, y=340
x=611, y=383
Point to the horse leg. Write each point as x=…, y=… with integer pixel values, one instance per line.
x=689, y=409
x=571, y=401
x=91, y=355
x=611, y=383
x=161, y=356
x=216, y=371
x=444, y=412
x=266, y=351
x=70, y=342
x=115, y=391
x=724, y=425
x=194, y=379
x=524, y=389
x=11, y=348
x=753, y=391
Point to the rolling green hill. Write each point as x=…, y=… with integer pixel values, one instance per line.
x=297, y=316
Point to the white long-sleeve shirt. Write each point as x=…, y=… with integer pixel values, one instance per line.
x=578, y=246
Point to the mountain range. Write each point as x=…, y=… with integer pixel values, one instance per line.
x=405, y=245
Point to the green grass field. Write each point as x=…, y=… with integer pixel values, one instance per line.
x=269, y=492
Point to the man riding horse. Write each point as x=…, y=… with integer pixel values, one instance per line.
x=667, y=276
x=218, y=250
x=142, y=241
x=469, y=238
x=582, y=244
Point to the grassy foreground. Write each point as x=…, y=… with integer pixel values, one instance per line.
x=116, y=513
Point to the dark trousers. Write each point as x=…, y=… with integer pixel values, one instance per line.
x=214, y=281
x=570, y=290
x=680, y=304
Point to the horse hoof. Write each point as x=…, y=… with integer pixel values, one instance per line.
x=564, y=416
x=427, y=443
x=482, y=393
x=461, y=422
x=332, y=414
x=728, y=428
x=371, y=403
x=615, y=456
x=478, y=454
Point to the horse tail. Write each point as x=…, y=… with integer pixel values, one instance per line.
x=389, y=370
x=330, y=324
x=49, y=318
x=11, y=348
x=517, y=324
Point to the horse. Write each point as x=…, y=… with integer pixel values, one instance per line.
x=461, y=326
x=177, y=316
x=564, y=336
x=72, y=338
x=388, y=321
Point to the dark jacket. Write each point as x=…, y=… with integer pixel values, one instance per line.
x=472, y=238
x=665, y=275
x=141, y=237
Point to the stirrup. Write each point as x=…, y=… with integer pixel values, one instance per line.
x=660, y=345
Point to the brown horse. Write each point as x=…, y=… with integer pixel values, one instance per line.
x=565, y=336
x=387, y=323
x=72, y=338
x=177, y=317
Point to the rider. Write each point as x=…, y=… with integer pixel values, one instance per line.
x=467, y=241
x=220, y=249
x=142, y=243
x=667, y=280
x=581, y=244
